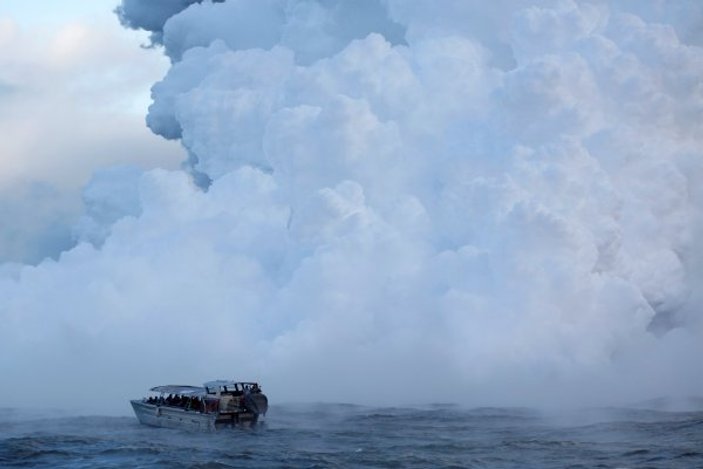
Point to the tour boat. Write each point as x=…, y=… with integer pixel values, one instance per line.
x=215, y=404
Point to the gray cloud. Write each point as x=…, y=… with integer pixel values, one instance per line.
x=37, y=222
x=151, y=15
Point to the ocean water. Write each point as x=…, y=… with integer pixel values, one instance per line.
x=325, y=435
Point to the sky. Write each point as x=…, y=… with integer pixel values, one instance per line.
x=32, y=14
x=74, y=91
x=381, y=202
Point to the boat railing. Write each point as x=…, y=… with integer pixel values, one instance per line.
x=196, y=404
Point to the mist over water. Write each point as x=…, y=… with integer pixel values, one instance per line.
x=390, y=202
x=329, y=435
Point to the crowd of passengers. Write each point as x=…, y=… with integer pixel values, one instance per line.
x=196, y=403
x=188, y=403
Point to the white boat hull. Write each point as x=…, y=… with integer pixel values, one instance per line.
x=176, y=417
x=173, y=417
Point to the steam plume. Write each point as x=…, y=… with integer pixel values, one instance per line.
x=391, y=201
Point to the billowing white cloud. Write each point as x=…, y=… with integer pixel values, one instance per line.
x=498, y=207
x=311, y=28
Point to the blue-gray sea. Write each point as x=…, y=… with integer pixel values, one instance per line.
x=325, y=435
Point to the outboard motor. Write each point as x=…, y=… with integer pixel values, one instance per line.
x=256, y=403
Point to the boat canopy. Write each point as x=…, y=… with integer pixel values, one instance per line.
x=179, y=389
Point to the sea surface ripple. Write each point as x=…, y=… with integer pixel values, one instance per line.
x=334, y=435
